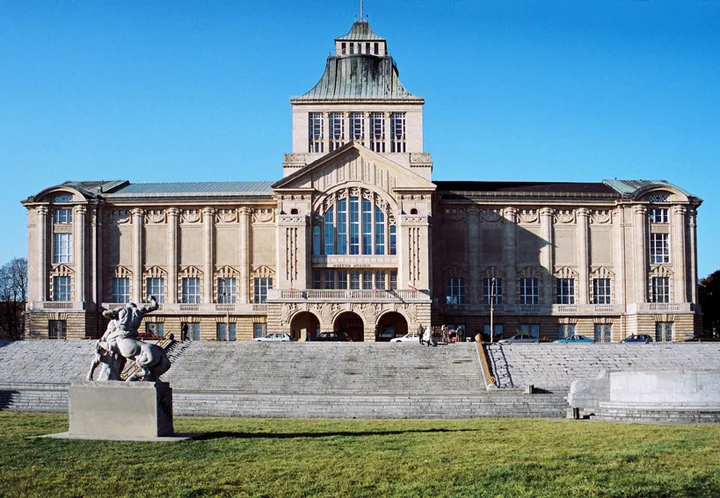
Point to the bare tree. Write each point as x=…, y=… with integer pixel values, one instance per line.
x=13, y=296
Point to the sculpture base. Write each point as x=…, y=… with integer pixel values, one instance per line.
x=120, y=410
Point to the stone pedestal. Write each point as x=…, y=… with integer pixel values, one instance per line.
x=120, y=410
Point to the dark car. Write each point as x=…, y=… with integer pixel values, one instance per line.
x=638, y=338
x=702, y=338
x=332, y=336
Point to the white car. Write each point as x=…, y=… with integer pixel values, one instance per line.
x=518, y=338
x=274, y=338
x=412, y=337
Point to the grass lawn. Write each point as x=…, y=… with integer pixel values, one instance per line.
x=279, y=457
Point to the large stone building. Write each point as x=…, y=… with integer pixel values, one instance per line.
x=357, y=237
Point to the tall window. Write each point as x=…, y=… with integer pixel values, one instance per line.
x=603, y=332
x=258, y=330
x=663, y=331
x=121, y=290
x=57, y=329
x=661, y=289
x=337, y=130
x=393, y=279
x=377, y=137
x=492, y=287
x=565, y=330
x=191, y=290
x=354, y=279
x=455, y=291
x=367, y=279
x=62, y=216
x=156, y=287
x=226, y=291
x=397, y=121
x=601, y=291
x=659, y=248
x=658, y=215
x=392, y=248
x=529, y=291
x=357, y=126
x=61, y=289
x=565, y=289
x=315, y=130
x=193, y=331
x=62, y=248
x=226, y=332
x=532, y=329
x=261, y=288
x=156, y=329
x=380, y=276
x=329, y=279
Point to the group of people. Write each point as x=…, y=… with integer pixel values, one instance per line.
x=427, y=335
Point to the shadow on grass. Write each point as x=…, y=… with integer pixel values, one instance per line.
x=293, y=435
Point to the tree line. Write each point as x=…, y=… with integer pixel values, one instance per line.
x=13, y=296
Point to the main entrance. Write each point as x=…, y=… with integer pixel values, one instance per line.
x=304, y=325
x=351, y=324
x=391, y=325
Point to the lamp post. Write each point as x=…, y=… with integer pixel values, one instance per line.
x=492, y=309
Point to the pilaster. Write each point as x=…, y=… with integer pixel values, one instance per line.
x=474, y=254
x=42, y=246
x=678, y=254
x=244, y=251
x=172, y=254
x=137, y=260
x=510, y=254
x=546, y=251
x=583, y=248
x=618, y=286
x=640, y=248
x=692, y=238
x=80, y=251
x=208, y=225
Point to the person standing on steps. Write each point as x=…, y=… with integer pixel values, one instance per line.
x=429, y=337
x=420, y=333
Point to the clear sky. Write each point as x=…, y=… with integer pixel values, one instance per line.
x=516, y=90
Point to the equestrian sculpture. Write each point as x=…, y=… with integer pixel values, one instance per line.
x=120, y=343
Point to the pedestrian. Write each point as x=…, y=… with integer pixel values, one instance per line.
x=420, y=333
x=184, y=332
x=429, y=339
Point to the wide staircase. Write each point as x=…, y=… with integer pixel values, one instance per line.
x=328, y=380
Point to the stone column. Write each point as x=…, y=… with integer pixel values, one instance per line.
x=137, y=220
x=96, y=272
x=326, y=132
x=546, y=252
x=347, y=135
x=678, y=253
x=583, y=248
x=388, y=131
x=208, y=224
x=367, y=133
x=640, y=248
x=80, y=252
x=510, y=255
x=172, y=255
x=618, y=286
x=474, y=255
x=244, y=254
x=692, y=252
x=42, y=245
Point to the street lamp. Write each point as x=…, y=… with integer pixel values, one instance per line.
x=492, y=309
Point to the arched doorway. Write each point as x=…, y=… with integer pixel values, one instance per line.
x=351, y=324
x=304, y=325
x=390, y=325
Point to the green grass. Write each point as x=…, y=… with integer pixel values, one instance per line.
x=279, y=457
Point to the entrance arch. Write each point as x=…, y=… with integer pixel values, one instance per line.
x=391, y=324
x=351, y=324
x=304, y=324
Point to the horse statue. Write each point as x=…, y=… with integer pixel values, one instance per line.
x=120, y=343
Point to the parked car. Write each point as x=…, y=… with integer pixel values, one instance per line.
x=332, y=336
x=575, y=339
x=411, y=337
x=702, y=338
x=638, y=338
x=519, y=338
x=278, y=337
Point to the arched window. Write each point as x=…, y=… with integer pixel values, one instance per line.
x=355, y=224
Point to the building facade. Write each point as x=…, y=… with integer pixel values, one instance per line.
x=357, y=237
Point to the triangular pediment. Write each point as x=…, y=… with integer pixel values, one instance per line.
x=354, y=164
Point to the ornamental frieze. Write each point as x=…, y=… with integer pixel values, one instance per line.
x=601, y=217
x=226, y=216
x=528, y=215
x=370, y=311
x=410, y=311
x=491, y=215
x=263, y=215
x=564, y=216
x=286, y=313
x=190, y=216
x=455, y=214
x=120, y=216
x=155, y=216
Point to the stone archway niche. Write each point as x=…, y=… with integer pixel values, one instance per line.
x=304, y=325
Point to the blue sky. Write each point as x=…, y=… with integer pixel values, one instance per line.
x=515, y=90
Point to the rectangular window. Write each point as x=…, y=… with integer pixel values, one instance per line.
x=393, y=279
x=61, y=289
x=317, y=279
x=498, y=330
x=601, y=291
x=226, y=332
x=661, y=289
x=62, y=248
x=317, y=247
x=329, y=279
x=492, y=287
x=377, y=126
x=57, y=329
x=663, y=331
x=342, y=279
x=367, y=279
x=343, y=48
x=658, y=215
x=379, y=231
x=354, y=279
x=193, y=331
x=659, y=248
x=261, y=287
x=329, y=230
x=357, y=125
x=156, y=329
x=367, y=47
x=529, y=291
x=337, y=130
x=342, y=231
x=392, y=248
x=258, y=330
x=354, y=225
x=315, y=130
x=565, y=288
x=156, y=287
x=533, y=329
x=352, y=48
x=367, y=222
x=380, y=276
x=603, y=332
x=565, y=330
x=397, y=122
x=376, y=48
x=121, y=290
x=62, y=216
x=226, y=291
x=455, y=291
